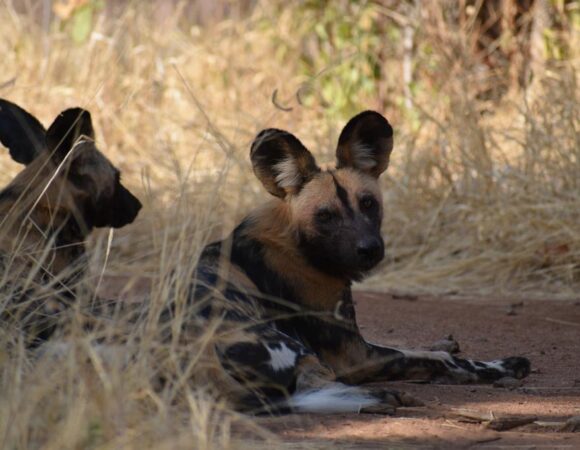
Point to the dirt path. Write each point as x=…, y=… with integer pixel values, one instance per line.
x=547, y=332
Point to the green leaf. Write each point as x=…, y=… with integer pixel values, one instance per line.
x=82, y=24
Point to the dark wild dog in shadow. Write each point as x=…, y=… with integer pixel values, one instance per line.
x=67, y=189
x=280, y=285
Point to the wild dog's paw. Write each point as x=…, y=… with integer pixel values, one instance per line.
x=464, y=371
x=408, y=400
x=516, y=366
x=389, y=401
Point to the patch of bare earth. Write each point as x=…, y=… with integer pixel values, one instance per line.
x=547, y=332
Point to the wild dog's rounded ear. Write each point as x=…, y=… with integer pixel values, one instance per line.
x=20, y=132
x=365, y=143
x=281, y=162
x=66, y=129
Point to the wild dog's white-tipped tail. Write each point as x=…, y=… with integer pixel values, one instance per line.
x=336, y=398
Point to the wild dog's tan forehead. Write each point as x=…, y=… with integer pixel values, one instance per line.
x=321, y=190
x=354, y=181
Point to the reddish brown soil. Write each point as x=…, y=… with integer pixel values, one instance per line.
x=547, y=332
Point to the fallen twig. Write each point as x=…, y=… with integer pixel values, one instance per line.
x=549, y=424
x=492, y=422
x=507, y=423
x=470, y=416
x=561, y=322
x=489, y=439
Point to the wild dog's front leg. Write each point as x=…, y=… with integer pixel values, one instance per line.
x=368, y=362
x=395, y=364
x=342, y=347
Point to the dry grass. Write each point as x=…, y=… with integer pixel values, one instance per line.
x=474, y=203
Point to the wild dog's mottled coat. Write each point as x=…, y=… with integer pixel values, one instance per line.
x=284, y=277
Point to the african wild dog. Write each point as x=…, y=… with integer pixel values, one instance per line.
x=281, y=284
x=67, y=188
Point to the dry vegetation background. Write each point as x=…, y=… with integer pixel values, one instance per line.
x=482, y=197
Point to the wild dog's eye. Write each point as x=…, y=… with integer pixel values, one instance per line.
x=367, y=202
x=324, y=215
x=80, y=181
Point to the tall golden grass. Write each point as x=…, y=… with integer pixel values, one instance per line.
x=481, y=198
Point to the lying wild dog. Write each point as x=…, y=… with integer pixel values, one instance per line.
x=67, y=188
x=281, y=285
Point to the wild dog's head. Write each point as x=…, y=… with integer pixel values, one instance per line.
x=65, y=173
x=336, y=213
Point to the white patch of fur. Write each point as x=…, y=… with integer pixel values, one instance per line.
x=282, y=358
x=496, y=364
x=363, y=157
x=459, y=373
x=288, y=174
x=336, y=398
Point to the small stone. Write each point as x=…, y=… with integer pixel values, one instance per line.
x=511, y=311
x=508, y=383
x=404, y=296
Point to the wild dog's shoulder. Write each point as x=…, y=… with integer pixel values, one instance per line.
x=238, y=267
x=237, y=252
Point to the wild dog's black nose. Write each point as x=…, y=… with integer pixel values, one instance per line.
x=370, y=249
x=127, y=206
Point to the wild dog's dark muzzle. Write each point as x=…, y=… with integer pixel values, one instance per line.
x=117, y=211
x=126, y=207
x=370, y=251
